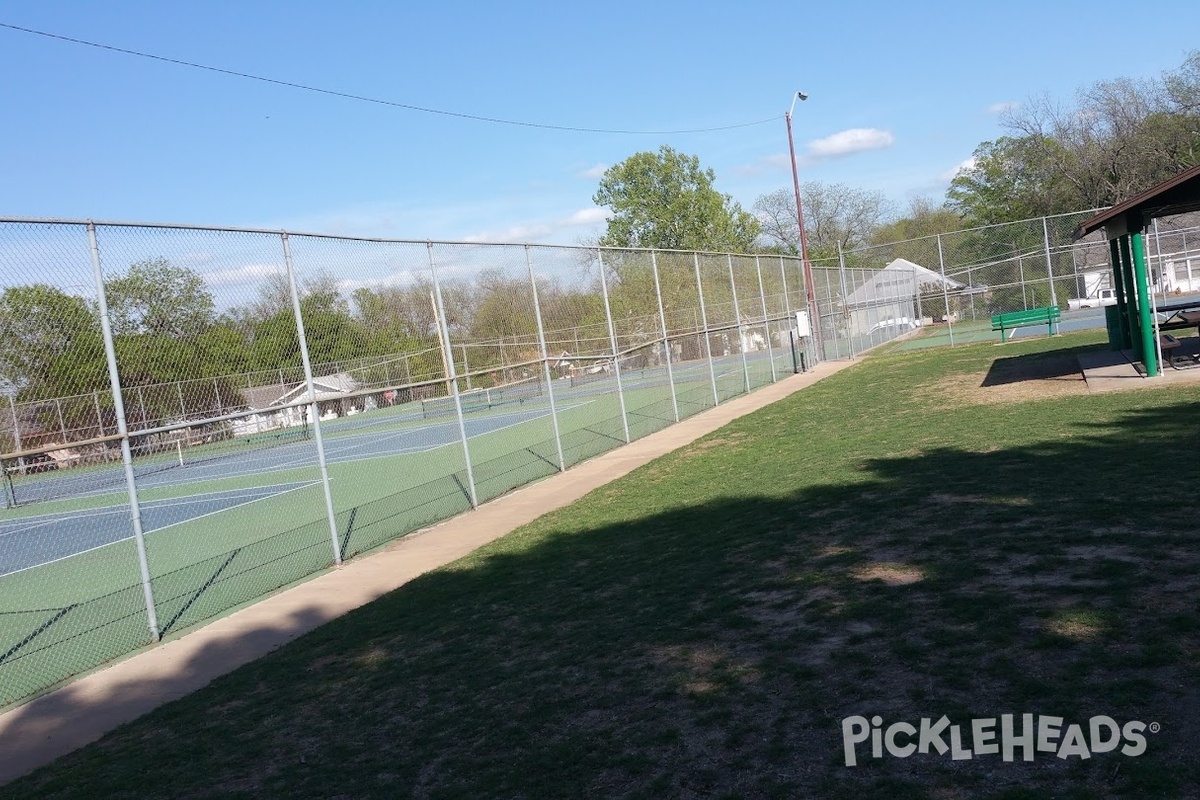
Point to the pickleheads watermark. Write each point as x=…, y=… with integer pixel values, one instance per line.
x=1046, y=734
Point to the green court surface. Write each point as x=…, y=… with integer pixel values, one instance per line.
x=71, y=613
x=943, y=335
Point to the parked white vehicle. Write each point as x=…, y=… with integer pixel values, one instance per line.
x=1105, y=297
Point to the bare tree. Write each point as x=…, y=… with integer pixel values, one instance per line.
x=833, y=214
x=1118, y=138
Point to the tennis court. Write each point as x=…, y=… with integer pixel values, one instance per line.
x=970, y=332
x=228, y=522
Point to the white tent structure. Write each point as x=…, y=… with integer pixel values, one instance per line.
x=892, y=298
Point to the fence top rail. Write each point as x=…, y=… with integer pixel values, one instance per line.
x=374, y=239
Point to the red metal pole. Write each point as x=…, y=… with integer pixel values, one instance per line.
x=809, y=292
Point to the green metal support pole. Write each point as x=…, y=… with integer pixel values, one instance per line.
x=1119, y=288
x=1149, y=351
x=1132, y=319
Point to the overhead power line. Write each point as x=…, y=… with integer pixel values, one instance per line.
x=375, y=100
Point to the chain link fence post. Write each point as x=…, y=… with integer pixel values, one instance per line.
x=451, y=375
x=1049, y=262
x=712, y=372
x=737, y=317
x=612, y=337
x=843, y=299
x=114, y=379
x=666, y=342
x=541, y=331
x=314, y=410
x=945, y=295
x=762, y=296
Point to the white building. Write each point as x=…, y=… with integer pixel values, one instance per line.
x=266, y=402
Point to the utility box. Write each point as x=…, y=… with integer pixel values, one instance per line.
x=803, y=329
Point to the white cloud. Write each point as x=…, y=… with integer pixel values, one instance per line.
x=247, y=273
x=543, y=231
x=956, y=170
x=594, y=172
x=513, y=234
x=1000, y=108
x=588, y=216
x=775, y=162
x=839, y=145
x=347, y=286
x=848, y=142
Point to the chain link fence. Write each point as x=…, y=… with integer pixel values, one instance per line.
x=193, y=418
x=944, y=289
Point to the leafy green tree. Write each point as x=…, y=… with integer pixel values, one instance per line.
x=505, y=307
x=50, y=343
x=331, y=336
x=665, y=200
x=1183, y=86
x=157, y=297
x=275, y=296
x=405, y=313
x=922, y=220
x=1013, y=179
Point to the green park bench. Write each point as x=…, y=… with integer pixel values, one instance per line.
x=1019, y=319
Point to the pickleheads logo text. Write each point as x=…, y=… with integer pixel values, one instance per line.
x=1046, y=734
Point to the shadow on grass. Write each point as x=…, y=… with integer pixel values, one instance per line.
x=1038, y=366
x=712, y=647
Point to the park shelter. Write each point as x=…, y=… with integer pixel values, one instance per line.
x=892, y=297
x=1134, y=326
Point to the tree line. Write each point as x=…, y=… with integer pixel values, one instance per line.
x=1118, y=138
x=167, y=328
x=181, y=356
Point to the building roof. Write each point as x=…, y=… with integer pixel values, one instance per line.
x=1178, y=195
x=258, y=397
x=328, y=387
x=899, y=279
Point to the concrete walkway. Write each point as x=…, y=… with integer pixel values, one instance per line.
x=1114, y=371
x=81, y=712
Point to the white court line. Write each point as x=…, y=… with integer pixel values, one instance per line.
x=532, y=419
x=456, y=441
x=124, y=506
x=154, y=505
x=156, y=530
x=213, y=471
x=189, y=499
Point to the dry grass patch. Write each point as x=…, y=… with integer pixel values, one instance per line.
x=1078, y=624
x=730, y=439
x=1012, y=381
x=890, y=574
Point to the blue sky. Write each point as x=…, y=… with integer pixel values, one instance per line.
x=900, y=94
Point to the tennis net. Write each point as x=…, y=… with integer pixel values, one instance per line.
x=514, y=393
x=65, y=473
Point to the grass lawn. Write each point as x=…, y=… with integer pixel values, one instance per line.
x=959, y=532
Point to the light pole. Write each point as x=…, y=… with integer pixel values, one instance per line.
x=809, y=292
